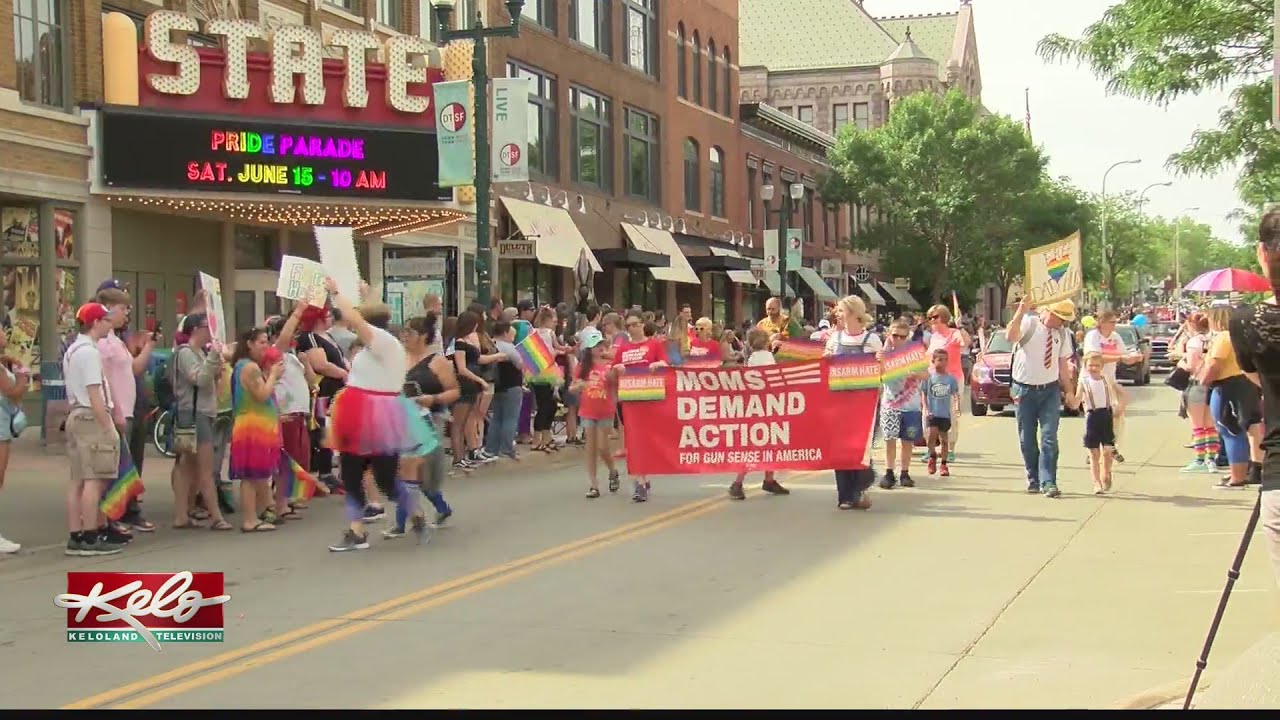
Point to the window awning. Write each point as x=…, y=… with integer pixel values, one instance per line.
x=869, y=292
x=820, y=289
x=902, y=298
x=773, y=281
x=743, y=277
x=556, y=238
x=654, y=240
x=705, y=255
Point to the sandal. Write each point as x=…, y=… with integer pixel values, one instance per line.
x=260, y=527
x=221, y=526
x=593, y=493
x=290, y=515
x=198, y=515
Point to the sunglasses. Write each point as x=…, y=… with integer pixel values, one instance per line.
x=901, y=337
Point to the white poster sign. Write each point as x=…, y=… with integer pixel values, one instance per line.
x=212, y=287
x=302, y=279
x=337, y=248
x=1054, y=271
x=510, y=145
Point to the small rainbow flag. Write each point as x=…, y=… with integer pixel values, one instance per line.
x=127, y=486
x=1057, y=267
x=854, y=372
x=299, y=485
x=905, y=361
x=536, y=355
x=799, y=350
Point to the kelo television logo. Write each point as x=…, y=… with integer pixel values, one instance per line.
x=143, y=607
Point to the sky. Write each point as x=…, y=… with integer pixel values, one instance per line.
x=1081, y=128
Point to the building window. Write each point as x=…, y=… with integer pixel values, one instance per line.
x=589, y=23
x=682, y=63
x=542, y=119
x=862, y=115
x=540, y=12
x=643, y=290
x=530, y=280
x=717, y=182
x=807, y=213
x=39, y=46
x=348, y=5
x=592, y=142
x=721, y=291
x=692, y=173
x=728, y=86
x=697, y=68
x=839, y=117
x=642, y=155
x=804, y=114
x=387, y=12
x=642, y=35
x=751, y=198
x=464, y=15
x=766, y=178
x=712, y=76
x=787, y=110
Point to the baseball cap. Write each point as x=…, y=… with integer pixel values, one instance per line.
x=111, y=284
x=90, y=313
x=591, y=337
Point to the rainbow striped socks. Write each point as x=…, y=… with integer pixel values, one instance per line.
x=1205, y=442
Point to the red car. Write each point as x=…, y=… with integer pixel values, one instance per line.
x=992, y=374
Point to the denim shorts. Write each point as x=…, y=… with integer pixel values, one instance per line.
x=204, y=427
x=595, y=423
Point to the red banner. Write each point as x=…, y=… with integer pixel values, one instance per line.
x=794, y=416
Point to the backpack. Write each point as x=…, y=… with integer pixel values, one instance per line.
x=162, y=383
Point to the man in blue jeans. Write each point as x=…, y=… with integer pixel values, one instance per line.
x=508, y=393
x=1041, y=373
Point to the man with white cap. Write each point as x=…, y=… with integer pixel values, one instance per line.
x=1041, y=374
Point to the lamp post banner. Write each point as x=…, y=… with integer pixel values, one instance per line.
x=816, y=415
x=453, y=133
x=510, y=142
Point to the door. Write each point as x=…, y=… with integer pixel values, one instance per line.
x=255, y=299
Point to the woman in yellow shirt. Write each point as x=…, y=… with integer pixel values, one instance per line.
x=1234, y=402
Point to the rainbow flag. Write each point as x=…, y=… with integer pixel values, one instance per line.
x=299, y=485
x=127, y=486
x=905, y=361
x=799, y=350
x=854, y=372
x=1058, y=267
x=642, y=386
x=535, y=354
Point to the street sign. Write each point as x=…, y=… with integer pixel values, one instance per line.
x=901, y=283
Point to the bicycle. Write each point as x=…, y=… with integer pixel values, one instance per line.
x=161, y=424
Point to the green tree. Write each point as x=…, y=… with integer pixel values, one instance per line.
x=1052, y=211
x=1159, y=50
x=939, y=170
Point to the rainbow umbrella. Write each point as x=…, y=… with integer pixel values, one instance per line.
x=1229, y=280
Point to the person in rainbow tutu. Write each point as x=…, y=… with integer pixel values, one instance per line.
x=372, y=423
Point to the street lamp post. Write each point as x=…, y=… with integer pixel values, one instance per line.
x=480, y=84
x=1110, y=290
x=794, y=193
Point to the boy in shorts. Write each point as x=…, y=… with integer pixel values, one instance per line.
x=939, y=390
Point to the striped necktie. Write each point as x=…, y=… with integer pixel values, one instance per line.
x=1048, y=349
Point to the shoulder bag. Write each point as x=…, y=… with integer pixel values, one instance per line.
x=184, y=438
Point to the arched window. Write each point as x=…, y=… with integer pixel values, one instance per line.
x=682, y=63
x=713, y=77
x=728, y=85
x=692, y=175
x=717, y=182
x=697, y=68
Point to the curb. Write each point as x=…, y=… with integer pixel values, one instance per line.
x=1160, y=695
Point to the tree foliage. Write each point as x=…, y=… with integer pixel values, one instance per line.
x=943, y=173
x=1160, y=50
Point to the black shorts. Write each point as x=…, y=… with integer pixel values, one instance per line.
x=1099, y=429
x=942, y=423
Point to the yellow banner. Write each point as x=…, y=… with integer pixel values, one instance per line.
x=1054, y=271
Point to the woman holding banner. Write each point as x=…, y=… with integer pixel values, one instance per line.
x=852, y=336
x=638, y=353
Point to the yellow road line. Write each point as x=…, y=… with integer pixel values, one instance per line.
x=329, y=630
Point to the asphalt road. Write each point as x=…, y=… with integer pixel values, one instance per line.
x=962, y=592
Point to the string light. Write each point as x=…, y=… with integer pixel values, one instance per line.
x=376, y=221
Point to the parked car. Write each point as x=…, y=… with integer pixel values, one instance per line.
x=993, y=373
x=1161, y=336
x=1138, y=373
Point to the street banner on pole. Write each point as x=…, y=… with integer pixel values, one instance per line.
x=510, y=140
x=795, y=416
x=795, y=239
x=1054, y=271
x=771, y=250
x=453, y=134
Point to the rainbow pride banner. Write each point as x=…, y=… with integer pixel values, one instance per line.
x=642, y=387
x=853, y=372
x=535, y=354
x=126, y=486
x=902, y=362
x=799, y=350
x=299, y=485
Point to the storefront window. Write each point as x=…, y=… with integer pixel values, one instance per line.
x=21, y=232
x=529, y=280
x=643, y=290
x=721, y=290
x=67, y=300
x=21, y=320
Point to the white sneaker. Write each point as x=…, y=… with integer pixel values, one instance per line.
x=8, y=547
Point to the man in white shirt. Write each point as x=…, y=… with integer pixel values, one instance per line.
x=93, y=444
x=1041, y=374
